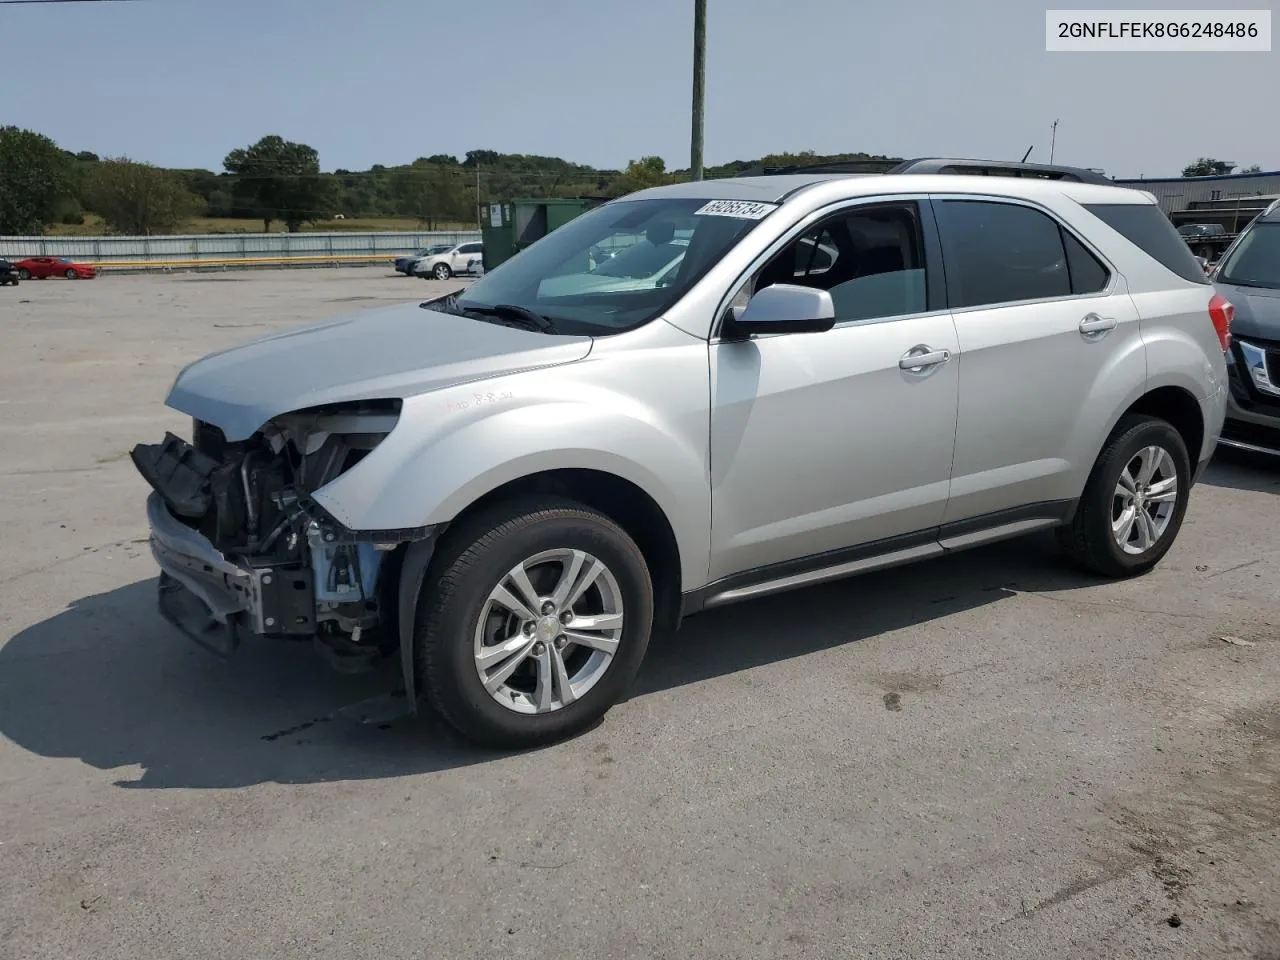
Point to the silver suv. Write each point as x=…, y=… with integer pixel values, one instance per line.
x=511, y=488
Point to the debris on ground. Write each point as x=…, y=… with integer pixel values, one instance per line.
x=1236, y=641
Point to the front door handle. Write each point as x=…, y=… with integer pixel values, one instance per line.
x=1093, y=324
x=919, y=358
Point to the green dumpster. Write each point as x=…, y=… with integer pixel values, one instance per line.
x=508, y=226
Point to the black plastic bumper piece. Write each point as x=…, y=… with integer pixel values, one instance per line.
x=179, y=473
x=188, y=613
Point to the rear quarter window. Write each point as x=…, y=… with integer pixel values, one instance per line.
x=1146, y=227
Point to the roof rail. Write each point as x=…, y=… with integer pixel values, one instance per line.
x=831, y=166
x=940, y=165
x=999, y=168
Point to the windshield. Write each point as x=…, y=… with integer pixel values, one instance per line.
x=432, y=251
x=618, y=266
x=641, y=260
x=1255, y=262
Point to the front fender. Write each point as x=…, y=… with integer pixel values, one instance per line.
x=452, y=447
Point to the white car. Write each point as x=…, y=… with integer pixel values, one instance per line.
x=460, y=258
x=507, y=493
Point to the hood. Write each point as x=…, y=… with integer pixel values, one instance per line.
x=1257, y=311
x=394, y=352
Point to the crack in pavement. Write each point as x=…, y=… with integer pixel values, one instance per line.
x=12, y=578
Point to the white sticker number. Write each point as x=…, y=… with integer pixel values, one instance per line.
x=742, y=209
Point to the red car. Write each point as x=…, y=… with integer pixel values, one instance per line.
x=41, y=268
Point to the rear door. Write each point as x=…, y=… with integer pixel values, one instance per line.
x=470, y=252
x=1049, y=347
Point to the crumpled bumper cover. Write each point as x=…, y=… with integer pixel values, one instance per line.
x=201, y=592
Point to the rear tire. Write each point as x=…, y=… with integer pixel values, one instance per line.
x=562, y=685
x=70, y=275
x=442, y=271
x=1126, y=521
x=24, y=274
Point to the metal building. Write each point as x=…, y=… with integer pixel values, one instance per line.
x=1232, y=200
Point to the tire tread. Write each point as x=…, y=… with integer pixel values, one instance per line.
x=1086, y=539
x=462, y=549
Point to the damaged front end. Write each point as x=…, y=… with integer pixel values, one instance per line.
x=244, y=549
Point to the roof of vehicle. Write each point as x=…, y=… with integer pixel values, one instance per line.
x=775, y=189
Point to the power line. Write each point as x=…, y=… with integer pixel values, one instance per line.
x=15, y=2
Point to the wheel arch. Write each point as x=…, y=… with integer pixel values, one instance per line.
x=624, y=502
x=619, y=499
x=1177, y=406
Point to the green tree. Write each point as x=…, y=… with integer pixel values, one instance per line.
x=33, y=178
x=429, y=190
x=139, y=199
x=640, y=175
x=1207, y=167
x=277, y=179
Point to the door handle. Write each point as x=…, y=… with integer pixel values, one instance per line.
x=918, y=358
x=1093, y=324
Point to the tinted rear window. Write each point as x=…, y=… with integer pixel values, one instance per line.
x=1143, y=225
x=1087, y=274
x=1000, y=253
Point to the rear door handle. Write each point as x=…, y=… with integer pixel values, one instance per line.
x=1092, y=323
x=918, y=358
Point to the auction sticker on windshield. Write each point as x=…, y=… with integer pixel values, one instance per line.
x=742, y=209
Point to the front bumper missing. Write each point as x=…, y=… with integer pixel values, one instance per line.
x=202, y=593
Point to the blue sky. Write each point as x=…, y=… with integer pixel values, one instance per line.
x=181, y=82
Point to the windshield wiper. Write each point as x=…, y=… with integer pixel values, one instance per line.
x=523, y=316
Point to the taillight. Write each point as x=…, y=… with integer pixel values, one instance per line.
x=1220, y=312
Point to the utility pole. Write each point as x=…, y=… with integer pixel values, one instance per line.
x=699, y=84
x=1053, y=139
x=479, y=219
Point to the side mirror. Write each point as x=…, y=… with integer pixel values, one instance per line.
x=783, y=308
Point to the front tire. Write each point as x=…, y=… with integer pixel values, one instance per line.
x=442, y=271
x=70, y=275
x=535, y=621
x=1134, y=502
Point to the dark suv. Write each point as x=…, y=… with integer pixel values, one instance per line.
x=8, y=273
x=1249, y=276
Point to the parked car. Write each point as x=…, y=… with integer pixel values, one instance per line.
x=1249, y=276
x=405, y=264
x=509, y=492
x=8, y=273
x=41, y=268
x=1207, y=240
x=459, y=258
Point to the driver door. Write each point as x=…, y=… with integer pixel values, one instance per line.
x=826, y=441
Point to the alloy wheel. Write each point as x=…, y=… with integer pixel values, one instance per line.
x=548, y=631
x=1144, y=500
